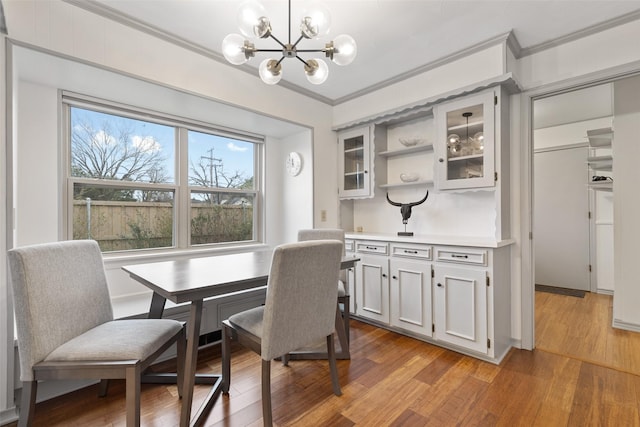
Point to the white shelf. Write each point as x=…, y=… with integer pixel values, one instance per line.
x=602, y=163
x=602, y=185
x=471, y=157
x=406, y=184
x=600, y=138
x=408, y=150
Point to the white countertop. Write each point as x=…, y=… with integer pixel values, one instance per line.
x=474, y=241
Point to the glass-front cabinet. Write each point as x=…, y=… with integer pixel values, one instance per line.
x=355, y=163
x=465, y=146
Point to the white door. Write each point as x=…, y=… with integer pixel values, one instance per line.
x=561, y=221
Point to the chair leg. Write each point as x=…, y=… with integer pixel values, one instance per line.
x=267, y=416
x=103, y=388
x=181, y=350
x=132, y=395
x=226, y=358
x=331, y=356
x=347, y=315
x=27, y=403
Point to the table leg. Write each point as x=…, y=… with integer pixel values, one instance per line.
x=193, y=335
x=157, y=306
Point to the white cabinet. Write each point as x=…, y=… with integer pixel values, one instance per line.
x=460, y=307
x=350, y=276
x=455, y=296
x=372, y=281
x=410, y=290
x=466, y=141
x=355, y=163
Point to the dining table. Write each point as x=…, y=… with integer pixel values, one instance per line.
x=191, y=281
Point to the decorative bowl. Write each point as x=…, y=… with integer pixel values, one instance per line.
x=409, y=177
x=410, y=141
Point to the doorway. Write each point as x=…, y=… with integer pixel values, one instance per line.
x=568, y=212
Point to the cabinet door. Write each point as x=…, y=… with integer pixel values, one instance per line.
x=460, y=307
x=372, y=288
x=351, y=287
x=410, y=296
x=354, y=163
x=466, y=143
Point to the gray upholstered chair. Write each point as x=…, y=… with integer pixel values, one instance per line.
x=66, y=329
x=343, y=291
x=300, y=309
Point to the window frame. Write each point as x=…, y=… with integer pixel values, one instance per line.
x=181, y=187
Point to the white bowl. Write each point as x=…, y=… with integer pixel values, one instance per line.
x=409, y=177
x=411, y=141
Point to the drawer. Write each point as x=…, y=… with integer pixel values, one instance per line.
x=372, y=247
x=407, y=251
x=349, y=245
x=462, y=256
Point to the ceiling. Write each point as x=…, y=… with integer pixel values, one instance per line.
x=394, y=37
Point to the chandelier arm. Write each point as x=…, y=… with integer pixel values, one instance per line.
x=278, y=41
x=310, y=50
x=268, y=50
x=290, y=23
x=302, y=60
x=298, y=41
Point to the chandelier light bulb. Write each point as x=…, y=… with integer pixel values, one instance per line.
x=252, y=20
x=270, y=71
x=315, y=22
x=317, y=71
x=344, y=50
x=233, y=49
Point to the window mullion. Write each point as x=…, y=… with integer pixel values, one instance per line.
x=183, y=223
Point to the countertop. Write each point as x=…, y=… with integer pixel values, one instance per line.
x=472, y=241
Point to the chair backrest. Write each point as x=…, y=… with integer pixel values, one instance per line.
x=59, y=292
x=301, y=298
x=324, y=234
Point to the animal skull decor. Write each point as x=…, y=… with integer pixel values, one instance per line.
x=405, y=210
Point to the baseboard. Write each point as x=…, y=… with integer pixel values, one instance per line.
x=620, y=324
x=605, y=291
x=8, y=416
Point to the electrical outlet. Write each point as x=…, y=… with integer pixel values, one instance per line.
x=323, y=215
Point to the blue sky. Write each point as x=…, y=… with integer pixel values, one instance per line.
x=236, y=155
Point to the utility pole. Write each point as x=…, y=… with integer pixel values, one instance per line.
x=213, y=169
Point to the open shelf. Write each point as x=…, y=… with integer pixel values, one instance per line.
x=408, y=150
x=406, y=184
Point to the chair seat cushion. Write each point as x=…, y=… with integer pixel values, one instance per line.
x=249, y=320
x=341, y=289
x=132, y=339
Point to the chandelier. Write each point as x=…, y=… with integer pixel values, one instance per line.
x=254, y=24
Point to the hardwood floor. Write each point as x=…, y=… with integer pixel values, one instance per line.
x=393, y=380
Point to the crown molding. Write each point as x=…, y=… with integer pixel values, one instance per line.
x=124, y=19
x=594, y=29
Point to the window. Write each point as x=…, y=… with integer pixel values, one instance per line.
x=143, y=180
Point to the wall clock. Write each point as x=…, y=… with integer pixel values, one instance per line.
x=294, y=163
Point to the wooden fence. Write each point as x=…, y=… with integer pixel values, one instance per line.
x=136, y=225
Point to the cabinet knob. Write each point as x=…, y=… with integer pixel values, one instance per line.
x=394, y=277
x=384, y=275
x=439, y=285
x=441, y=160
x=366, y=171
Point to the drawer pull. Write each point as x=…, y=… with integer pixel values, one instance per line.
x=459, y=256
x=373, y=248
x=406, y=251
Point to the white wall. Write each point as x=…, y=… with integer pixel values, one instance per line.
x=626, y=210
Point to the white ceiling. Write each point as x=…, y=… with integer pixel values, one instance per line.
x=393, y=36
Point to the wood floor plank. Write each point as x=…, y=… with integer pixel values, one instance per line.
x=393, y=380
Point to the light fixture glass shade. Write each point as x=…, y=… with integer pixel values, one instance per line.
x=345, y=49
x=317, y=71
x=270, y=71
x=315, y=21
x=252, y=20
x=233, y=49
